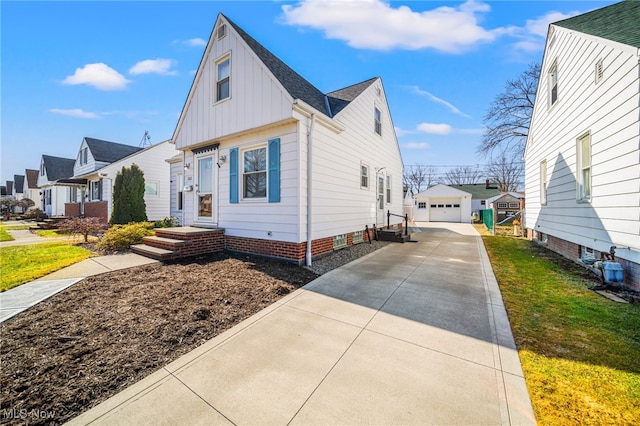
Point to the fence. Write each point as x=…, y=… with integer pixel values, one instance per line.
x=487, y=218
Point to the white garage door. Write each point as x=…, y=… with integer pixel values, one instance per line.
x=445, y=210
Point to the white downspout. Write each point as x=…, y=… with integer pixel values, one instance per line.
x=309, y=187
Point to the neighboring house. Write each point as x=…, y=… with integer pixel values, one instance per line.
x=480, y=192
x=506, y=205
x=90, y=190
x=51, y=197
x=18, y=191
x=31, y=190
x=582, y=155
x=442, y=203
x=285, y=169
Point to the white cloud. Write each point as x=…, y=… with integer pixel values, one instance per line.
x=450, y=106
x=401, y=132
x=195, y=42
x=416, y=145
x=375, y=24
x=534, y=33
x=153, y=66
x=77, y=113
x=433, y=128
x=98, y=75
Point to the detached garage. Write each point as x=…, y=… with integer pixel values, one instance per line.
x=442, y=203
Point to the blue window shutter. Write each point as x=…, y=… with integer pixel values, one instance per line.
x=233, y=175
x=274, y=170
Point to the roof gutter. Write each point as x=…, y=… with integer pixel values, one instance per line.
x=307, y=110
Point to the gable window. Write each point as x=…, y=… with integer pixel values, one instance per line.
x=95, y=190
x=583, y=161
x=42, y=169
x=222, y=79
x=364, y=176
x=543, y=182
x=222, y=31
x=553, y=83
x=377, y=117
x=254, y=176
x=388, y=189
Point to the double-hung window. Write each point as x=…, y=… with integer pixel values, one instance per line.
x=254, y=176
x=95, y=189
x=364, y=176
x=388, y=189
x=553, y=83
x=223, y=72
x=583, y=160
x=377, y=118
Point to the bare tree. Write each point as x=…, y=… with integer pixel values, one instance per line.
x=509, y=116
x=418, y=178
x=507, y=171
x=463, y=175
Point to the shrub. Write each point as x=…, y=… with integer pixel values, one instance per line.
x=167, y=222
x=84, y=226
x=128, y=196
x=121, y=237
x=35, y=214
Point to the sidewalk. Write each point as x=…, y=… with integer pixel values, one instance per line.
x=414, y=333
x=21, y=298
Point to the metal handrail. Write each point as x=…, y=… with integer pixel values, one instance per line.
x=406, y=221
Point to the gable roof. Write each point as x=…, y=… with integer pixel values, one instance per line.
x=32, y=178
x=499, y=196
x=297, y=86
x=19, y=183
x=618, y=22
x=58, y=167
x=294, y=83
x=9, y=187
x=341, y=98
x=442, y=190
x=479, y=191
x=108, y=152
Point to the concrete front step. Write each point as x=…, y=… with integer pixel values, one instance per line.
x=153, y=252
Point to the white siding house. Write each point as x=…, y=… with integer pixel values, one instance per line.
x=52, y=198
x=276, y=162
x=583, y=150
x=442, y=203
x=96, y=167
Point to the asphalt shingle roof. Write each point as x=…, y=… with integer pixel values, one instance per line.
x=19, y=183
x=108, y=152
x=9, y=187
x=619, y=22
x=57, y=167
x=296, y=85
x=479, y=191
x=32, y=178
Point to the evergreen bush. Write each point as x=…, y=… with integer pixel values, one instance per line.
x=128, y=197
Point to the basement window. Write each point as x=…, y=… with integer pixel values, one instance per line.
x=357, y=237
x=339, y=241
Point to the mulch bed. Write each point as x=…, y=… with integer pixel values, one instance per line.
x=101, y=335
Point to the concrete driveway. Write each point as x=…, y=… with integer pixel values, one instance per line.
x=414, y=333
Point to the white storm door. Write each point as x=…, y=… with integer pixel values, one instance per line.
x=205, y=189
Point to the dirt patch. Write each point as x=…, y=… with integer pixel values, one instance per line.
x=101, y=335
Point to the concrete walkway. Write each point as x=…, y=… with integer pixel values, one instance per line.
x=414, y=333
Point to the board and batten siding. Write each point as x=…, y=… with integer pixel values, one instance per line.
x=152, y=162
x=340, y=205
x=609, y=111
x=256, y=98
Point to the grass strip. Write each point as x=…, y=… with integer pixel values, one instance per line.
x=579, y=350
x=4, y=235
x=21, y=264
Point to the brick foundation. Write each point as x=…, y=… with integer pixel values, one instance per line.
x=96, y=209
x=573, y=252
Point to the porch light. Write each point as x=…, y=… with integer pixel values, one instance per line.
x=187, y=166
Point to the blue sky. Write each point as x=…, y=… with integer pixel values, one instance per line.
x=113, y=70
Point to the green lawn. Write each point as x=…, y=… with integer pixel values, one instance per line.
x=580, y=352
x=4, y=235
x=21, y=264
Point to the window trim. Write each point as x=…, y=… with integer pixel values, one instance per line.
x=218, y=81
x=95, y=186
x=265, y=171
x=377, y=120
x=151, y=183
x=388, y=189
x=583, y=189
x=364, y=177
x=552, y=82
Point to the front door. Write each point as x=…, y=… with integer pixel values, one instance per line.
x=204, y=193
x=380, y=204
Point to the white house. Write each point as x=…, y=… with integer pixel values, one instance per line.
x=442, y=203
x=583, y=150
x=95, y=169
x=285, y=169
x=31, y=190
x=52, y=197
